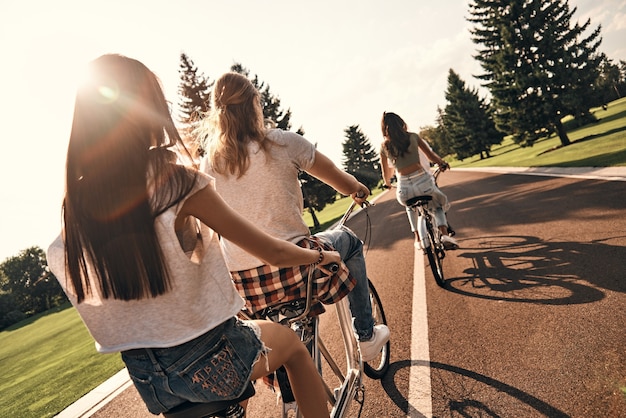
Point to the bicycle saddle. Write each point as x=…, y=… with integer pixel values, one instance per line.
x=212, y=409
x=418, y=200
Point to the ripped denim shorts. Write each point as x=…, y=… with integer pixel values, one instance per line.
x=215, y=366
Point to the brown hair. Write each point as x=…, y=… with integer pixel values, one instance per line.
x=395, y=130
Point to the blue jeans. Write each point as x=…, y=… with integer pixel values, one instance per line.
x=215, y=366
x=351, y=249
x=417, y=184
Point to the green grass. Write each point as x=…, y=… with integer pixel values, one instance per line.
x=601, y=144
x=49, y=361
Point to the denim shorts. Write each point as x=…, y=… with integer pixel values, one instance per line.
x=215, y=366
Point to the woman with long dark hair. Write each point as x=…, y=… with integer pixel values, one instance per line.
x=140, y=260
x=402, y=148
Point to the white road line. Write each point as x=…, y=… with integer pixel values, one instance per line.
x=419, y=400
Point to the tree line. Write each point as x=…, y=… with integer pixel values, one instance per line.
x=537, y=68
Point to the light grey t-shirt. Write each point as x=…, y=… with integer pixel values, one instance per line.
x=203, y=295
x=269, y=193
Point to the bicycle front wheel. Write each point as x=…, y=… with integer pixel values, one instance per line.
x=377, y=368
x=435, y=258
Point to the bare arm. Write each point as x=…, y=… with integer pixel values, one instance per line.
x=209, y=207
x=325, y=170
x=386, y=169
x=432, y=156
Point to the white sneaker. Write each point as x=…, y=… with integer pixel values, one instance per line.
x=371, y=348
x=449, y=243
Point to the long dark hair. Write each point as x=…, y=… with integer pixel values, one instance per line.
x=117, y=153
x=394, y=128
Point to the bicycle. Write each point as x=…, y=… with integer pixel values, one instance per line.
x=295, y=314
x=429, y=235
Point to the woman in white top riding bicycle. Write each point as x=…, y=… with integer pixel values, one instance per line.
x=402, y=148
x=256, y=171
x=142, y=284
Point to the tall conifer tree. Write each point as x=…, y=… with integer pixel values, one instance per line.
x=194, y=90
x=538, y=67
x=359, y=157
x=467, y=119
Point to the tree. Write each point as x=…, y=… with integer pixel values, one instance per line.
x=317, y=195
x=195, y=94
x=611, y=82
x=26, y=278
x=537, y=66
x=469, y=126
x=437, y=136
x=359, y=157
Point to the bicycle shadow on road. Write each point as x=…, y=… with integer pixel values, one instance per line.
x=463, y=392
x=527, y=269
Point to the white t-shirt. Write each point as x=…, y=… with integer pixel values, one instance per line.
x=202, y=297
x=269, y=193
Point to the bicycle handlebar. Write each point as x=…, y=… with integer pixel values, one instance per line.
x=332, y=267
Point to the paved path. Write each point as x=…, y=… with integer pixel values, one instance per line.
x=98, y=398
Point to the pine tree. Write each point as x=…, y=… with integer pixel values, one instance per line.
x=469, y=126
x=537, y=66
x=195, y=100
x=194, y=89
x=359, y=157
x=610, y=83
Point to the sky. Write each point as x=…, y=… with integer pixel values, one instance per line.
x=332, y=63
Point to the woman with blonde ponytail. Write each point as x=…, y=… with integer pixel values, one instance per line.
x=256, y=171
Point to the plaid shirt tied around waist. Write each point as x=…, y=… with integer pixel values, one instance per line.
x=268, y=285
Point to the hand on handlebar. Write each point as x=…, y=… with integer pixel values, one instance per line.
x=360, y=196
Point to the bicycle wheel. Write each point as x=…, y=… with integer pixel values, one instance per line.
x=377, y=368
x=435, y=257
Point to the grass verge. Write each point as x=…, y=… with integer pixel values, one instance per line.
x=48, y=362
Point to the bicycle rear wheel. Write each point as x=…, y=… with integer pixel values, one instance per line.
x=435, y=258
x=377, y=368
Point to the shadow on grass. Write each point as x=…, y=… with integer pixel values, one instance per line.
x=600, y=160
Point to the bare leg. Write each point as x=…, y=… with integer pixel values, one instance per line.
x=443, y=229
x=305, y=381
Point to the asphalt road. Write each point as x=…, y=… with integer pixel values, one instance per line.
x=532, y=321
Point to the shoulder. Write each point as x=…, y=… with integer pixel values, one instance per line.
x=282, y=137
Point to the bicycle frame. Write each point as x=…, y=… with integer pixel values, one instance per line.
x=429, y=234
x=350, y=378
